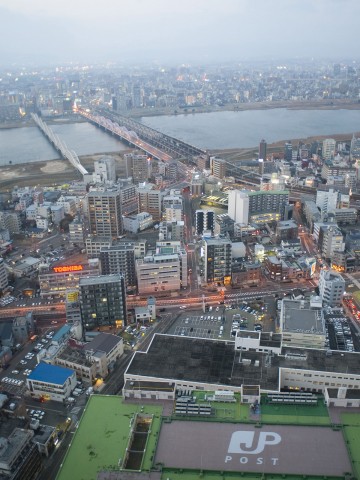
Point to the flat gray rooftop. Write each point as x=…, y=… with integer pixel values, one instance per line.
x=216, y=362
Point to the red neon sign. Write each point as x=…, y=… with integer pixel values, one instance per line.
x=68, y=268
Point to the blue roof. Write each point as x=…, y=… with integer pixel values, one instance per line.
x=64, y=330
x=45, y=372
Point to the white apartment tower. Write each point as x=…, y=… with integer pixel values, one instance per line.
x=331, y=287
x=238, y=206
x=328, y=148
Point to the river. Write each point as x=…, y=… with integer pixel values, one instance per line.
x=243, y=129
x=215, y=130
x=28, y=144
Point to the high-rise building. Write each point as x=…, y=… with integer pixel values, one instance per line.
x=119, y=259
x=331, y=287
x=204, y=220
x=262, y=150
x=150, y=201
x=257, y=206
x=103, y=301
x=288, y=151
x=218, y=167
x=105, y=213
x=328, y=148
x=217, y=260
x=327, y=201
x=137, y=166
x=238, y=206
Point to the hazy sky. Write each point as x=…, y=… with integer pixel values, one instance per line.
x=43, y=31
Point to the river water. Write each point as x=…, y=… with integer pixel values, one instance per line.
x=216, y=130
x=28, y=144
x=220, y=130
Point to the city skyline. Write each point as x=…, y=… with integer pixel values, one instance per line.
x=186, y=32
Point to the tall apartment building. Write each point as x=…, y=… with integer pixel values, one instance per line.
x=331, y=287
x=327, y=200
x=330, y=240
x=204, y=220
x=238, y=206
x=257, y=206
x=3, y=276
x=172, y=207
x=217, y=260
x=218, y=167
x=103, y=301
x=10, y=221
x=119, y=259
x=104, y=170
x=105, y=213
x=137, y=167
x=328, y=148
x=150, y=200
x=76, y=232
x=128, y=196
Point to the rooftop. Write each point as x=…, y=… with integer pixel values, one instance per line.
x=104, y=342
x=47, y=373
x=99, y=280
x=216, y=362
x=299, y=317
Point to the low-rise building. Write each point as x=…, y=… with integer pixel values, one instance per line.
x=51, y=380
x=104, y=350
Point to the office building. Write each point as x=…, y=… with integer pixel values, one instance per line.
x=105, y=213
x=331, y=287
x=94, y=244
x=217, y=260
x=51, y=381
x=137, y=222
x=103, y=301
x=119, y=259
x=224, y=225
x=72, y=306
x=330, y=240
x=163, y=270
x=302, y=323
x=262, y=150
x=61, y=278
x=204, y=221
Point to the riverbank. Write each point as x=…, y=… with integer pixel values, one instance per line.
x=51, y=172
x=352, y=104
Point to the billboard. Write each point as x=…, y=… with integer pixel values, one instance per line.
x=68, y=268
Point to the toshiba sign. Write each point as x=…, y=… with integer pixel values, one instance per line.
x=68, y=268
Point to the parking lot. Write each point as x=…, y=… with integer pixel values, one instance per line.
x=218, y=323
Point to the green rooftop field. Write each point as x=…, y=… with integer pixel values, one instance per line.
x=102, y=437
x=295, y=414
x=351, y=422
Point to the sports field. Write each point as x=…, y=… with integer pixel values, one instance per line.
x=103, y=435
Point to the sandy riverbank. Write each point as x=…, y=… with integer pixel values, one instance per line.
x=50, y=172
